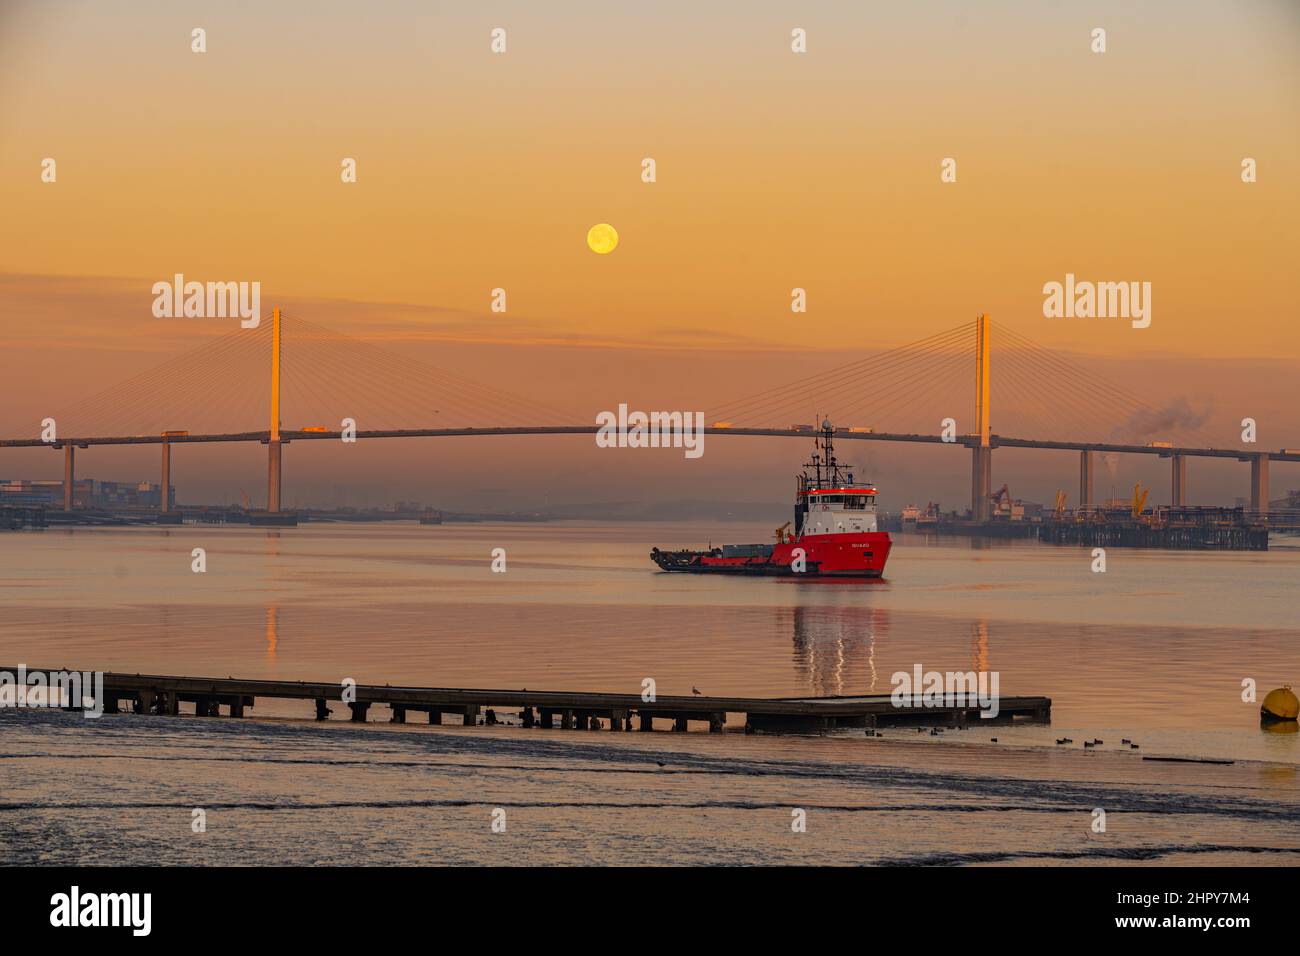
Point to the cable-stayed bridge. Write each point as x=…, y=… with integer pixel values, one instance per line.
x=919, y=392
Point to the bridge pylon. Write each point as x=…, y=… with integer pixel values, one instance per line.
x=981, y=451
x=273, y=446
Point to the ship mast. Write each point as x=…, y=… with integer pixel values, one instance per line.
x=827, y=472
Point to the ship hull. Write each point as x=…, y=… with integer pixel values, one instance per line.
x=860, y=555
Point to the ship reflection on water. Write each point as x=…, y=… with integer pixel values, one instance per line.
x=835, y=650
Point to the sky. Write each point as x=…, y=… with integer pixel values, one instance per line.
x=775, y=170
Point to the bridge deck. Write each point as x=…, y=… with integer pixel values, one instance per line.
x=962, y=441
x=155, y=693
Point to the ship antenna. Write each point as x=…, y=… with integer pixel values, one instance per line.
x=832, y=466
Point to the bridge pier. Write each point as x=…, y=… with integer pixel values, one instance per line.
x=1085, y=480
x=69, y=474
x=1259, y=483
x=273, y=448
x=1178, y=466
x=164, y=498
x=981, y=482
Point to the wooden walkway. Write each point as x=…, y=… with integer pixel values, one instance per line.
x=159, y=694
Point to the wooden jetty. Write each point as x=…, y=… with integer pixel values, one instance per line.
x=156, y=694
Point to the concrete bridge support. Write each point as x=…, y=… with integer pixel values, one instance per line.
x=273, y=449
x=981, y=482
x=69, y=474
x=1086, y=499
x=1178, y=465
x=1259, y=483
x=164, y=496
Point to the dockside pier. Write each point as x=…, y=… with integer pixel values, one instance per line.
x=567, y=710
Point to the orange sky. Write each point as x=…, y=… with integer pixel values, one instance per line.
x=775, y=170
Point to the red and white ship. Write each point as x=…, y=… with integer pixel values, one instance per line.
x=835, y=531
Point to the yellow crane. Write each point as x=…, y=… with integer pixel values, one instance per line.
x=1060, y=503
x=780, y=533
x=1139, y=499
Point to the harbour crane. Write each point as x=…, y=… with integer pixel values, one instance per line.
x=1139, y=499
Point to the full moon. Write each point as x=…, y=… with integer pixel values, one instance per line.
x=602, y=238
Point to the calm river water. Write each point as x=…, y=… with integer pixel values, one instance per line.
x=1155, y=649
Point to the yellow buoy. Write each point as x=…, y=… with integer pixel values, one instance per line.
x=1280, y=704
